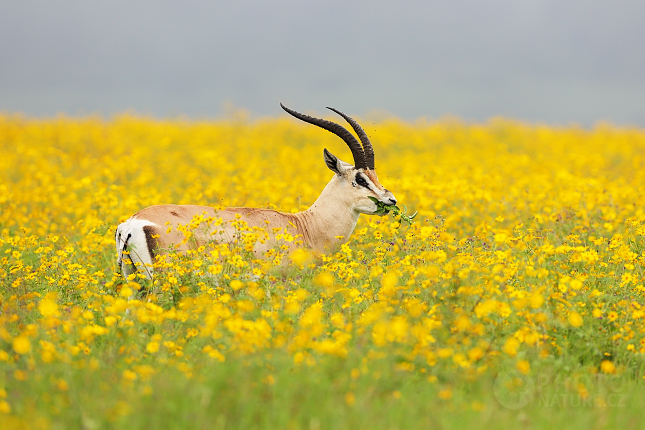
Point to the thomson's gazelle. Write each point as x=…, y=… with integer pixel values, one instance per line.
x=332, y=216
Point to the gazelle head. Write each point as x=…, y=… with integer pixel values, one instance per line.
x=358, y=182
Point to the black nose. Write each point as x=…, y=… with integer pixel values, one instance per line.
x=392, y=201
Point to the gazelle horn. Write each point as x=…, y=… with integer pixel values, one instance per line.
x=340, y=131
x=367, y=145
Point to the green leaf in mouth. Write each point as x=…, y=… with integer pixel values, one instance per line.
x=382, y=209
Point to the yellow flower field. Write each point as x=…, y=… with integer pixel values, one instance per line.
x=516, y=294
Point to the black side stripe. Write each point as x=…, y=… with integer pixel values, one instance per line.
x=151, y=241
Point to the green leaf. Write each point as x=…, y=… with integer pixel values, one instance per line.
x=382, y=208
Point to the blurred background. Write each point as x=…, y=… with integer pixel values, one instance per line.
x=557, y=62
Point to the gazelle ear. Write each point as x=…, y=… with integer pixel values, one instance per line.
x=333, y=163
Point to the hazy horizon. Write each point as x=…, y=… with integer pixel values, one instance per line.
x=540, y=61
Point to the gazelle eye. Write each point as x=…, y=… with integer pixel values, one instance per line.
x=361, y=181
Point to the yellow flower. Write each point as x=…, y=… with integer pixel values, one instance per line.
x=523, y=366
x=536, y=300
x=607, y=367
x=300, y=256
x=129, y=375
x=484, y=308
x=462, y=323
x=126, y=292
x=389, y=281
x=501, y=238
x=445, y=394
x=510, y=346
x=376, y=271
x=48, y=308
x=475, y=354
x=292, y=308
x=576, y=284
x=327, y=281
x=236, y=284
x=575, y=319
x=444, y=352
x=21, y=345
x=152, y=347
x=355, y=374
x=324, y=279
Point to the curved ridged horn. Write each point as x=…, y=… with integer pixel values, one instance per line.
x=338, y=130
x=367, y=145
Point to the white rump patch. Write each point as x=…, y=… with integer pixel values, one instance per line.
x=131, y=237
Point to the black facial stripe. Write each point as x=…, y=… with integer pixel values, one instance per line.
x=360, y=180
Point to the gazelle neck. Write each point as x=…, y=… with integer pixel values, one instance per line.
x=331, y=216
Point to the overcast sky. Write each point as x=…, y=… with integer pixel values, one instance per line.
x=554, y=61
